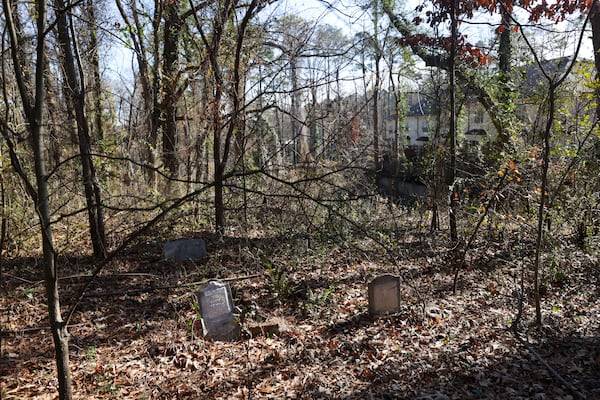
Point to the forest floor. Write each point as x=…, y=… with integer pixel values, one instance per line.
x=133, y=335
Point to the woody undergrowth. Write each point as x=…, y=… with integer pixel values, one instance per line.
x=313, y=255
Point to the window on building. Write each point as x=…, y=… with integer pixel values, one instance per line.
x=478, y=117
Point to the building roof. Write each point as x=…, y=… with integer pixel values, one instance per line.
x=535, y=78
x=420, y=105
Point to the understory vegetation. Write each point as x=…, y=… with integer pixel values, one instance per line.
x=301, y=262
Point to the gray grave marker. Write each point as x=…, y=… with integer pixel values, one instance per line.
x=384, y=294
x=184, y=249
x=216, y=306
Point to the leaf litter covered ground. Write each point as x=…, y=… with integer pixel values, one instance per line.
x=134, y=334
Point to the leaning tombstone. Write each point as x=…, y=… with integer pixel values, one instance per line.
x=184, y=249
x=216, y=306
x=384, y=294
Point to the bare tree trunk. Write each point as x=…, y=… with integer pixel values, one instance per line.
x=398, y=116
x=377, y=50
x=224, y=132
x=149, y=83
x=376, y=149
x=451, y=174
x=219, y=202
x=55, y=147
x=595, y=22
x=76, y=96
x=296, y=116
x=57, y=325
x=168, y=106
x=553, y=84
x=3, y=227
x=33, y=106
x=94, y=62
x=154, y=100
x=220, y=146
x=542, y=208
x=505, y=77
x=201, y=159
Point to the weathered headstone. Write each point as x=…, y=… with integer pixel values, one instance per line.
x=384, y=294
x=216, y=306
x=184, y=249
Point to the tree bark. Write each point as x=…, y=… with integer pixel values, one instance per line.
x=595, y=22
x=168, y=106
x=94, y=63
x=504, y=64
x=542, y=208
x=55, y=145
x=451, y=177
x=553, y=84
x=297, y=119
x=230, y=91
x=76, y=96
x=377, y=50
x=376, y=150
x=219, y=155
x=33, y=106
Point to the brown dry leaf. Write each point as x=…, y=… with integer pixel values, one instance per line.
x=267, y=389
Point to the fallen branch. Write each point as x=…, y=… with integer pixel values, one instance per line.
x=31, y=329
x=515, y=330
x=83, y=276
x=123, y=274
x=157, y=288
x=552, y=371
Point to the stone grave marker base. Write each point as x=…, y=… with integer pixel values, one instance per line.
x=184, y=249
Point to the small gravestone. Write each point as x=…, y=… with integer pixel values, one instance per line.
x=216, y=306
x=384, y=294
x=184, y=249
